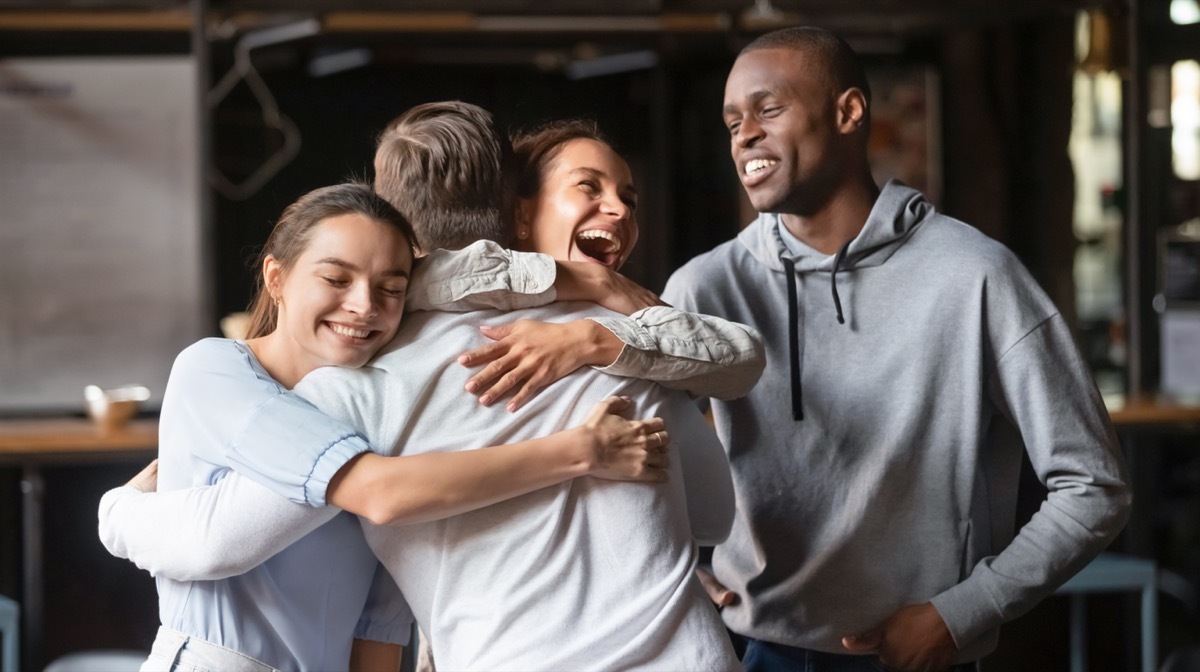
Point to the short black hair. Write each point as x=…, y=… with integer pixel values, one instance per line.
x=833, y=53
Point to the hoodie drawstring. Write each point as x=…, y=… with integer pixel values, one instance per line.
x=789, y=268
x=837, y=261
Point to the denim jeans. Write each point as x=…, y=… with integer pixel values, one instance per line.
x=176, y=652
x=763, y=656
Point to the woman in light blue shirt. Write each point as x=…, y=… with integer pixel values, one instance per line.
x=335, y=271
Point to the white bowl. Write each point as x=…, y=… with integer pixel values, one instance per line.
x=112, y=408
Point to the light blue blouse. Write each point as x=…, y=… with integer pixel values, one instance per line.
x=300, y=609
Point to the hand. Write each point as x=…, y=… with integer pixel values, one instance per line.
x=536, y=354
x=914, y=639
x=585, y=281
x=626, y=450
x=146, y=480
x=717, y=592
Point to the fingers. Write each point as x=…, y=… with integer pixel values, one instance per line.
x=534, y=384
x=495, y=379
x=501, y=387
x=717, y=592
x=868, y=642
x=496, y=332
x=651, y=425
x=483, y=354
x=611, y=405
x=658, y=440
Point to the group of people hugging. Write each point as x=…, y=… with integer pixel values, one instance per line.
x=451, y=410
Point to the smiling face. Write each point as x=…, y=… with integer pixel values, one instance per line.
x=341, y=300
x=787, y=125
x=585, y=208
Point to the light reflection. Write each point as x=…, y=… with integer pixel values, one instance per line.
x=1184, y=12
x=1185, y=119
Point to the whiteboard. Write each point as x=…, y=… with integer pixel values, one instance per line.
x=101, y=244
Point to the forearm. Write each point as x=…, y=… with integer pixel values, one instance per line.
x=1046, y=398
x=704, y=355
x=203, y=533
x=421, y=488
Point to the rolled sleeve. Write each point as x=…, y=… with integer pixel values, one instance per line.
x=480, y=276
x=704, y=355
x=315, y=447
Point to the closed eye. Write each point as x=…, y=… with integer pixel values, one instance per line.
x=336, y=282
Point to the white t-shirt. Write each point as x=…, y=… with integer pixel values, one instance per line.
x=589, y=574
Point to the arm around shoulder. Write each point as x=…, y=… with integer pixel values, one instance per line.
x=703, y=355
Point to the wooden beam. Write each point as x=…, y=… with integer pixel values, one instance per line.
x=166, y=20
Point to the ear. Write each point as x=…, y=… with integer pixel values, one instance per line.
x=272, y=272
x=851, y=111
x=523, y=218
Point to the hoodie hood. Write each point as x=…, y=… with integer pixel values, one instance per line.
x=897, y=213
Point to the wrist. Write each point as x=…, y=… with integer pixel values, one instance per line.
x=603, y=346
x=583, y=451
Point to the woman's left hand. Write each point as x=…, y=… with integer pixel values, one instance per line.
x=531, y=355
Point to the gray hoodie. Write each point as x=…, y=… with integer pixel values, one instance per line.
x=876, y=461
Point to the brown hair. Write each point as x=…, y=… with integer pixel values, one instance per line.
x=535, y=150
x=443, y=165
x=293, y=233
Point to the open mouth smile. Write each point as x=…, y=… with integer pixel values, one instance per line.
x=600, y=246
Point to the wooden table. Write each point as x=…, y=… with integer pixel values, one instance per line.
x=31, y=443
x=1152, y=410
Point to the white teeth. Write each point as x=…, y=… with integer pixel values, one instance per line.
x=614, y=243
x=347, y=331
x=757, y=165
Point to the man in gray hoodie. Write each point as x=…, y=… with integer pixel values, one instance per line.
x=911, y=360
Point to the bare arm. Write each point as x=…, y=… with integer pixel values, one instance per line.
x=419, y=488
x=584, y=281
x=213, y=532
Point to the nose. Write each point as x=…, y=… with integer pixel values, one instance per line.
x=360, y=300
x=748, y=133
x=613, y=206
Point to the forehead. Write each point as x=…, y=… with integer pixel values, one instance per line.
x=587, y=154
x=771, y=71
x=357, y=238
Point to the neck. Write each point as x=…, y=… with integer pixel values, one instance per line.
x=840, y=219
x=273, y=357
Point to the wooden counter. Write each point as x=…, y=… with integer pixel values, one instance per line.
x=73, y=437
x=30, y=444
x=1146, y=410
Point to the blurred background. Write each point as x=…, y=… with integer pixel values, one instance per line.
x=146, y=148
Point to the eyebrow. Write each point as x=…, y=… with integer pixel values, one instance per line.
x=731, y=108
x=627, y=191
x=341, y=263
